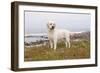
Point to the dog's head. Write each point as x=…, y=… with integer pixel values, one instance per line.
x=51, y=25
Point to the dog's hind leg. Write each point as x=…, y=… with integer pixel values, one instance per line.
x=66, y=43
x=68, y=40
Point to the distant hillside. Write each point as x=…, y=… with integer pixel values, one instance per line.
x=74, y=37
x=83, y=35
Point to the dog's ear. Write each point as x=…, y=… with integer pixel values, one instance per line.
x=47, y=24
x=54, y=25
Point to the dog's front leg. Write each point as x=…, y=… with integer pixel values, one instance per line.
x=51, y=44
x=55, y=43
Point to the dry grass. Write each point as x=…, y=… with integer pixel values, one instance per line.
x=78, y=50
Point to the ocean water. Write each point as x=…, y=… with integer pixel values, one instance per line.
x=33, y=39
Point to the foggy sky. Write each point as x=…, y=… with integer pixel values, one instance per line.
x=36, y=22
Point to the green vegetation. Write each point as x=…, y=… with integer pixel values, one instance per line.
x=78, y=50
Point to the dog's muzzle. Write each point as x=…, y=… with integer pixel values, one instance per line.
x=52, y=27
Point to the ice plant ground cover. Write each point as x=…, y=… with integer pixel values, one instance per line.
x=78, y=50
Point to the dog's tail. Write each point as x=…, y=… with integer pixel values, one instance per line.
x=73, y=33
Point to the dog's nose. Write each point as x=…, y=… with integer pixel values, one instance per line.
x=52, y=27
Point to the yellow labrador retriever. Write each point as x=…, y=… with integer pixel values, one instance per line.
x=55, y=35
